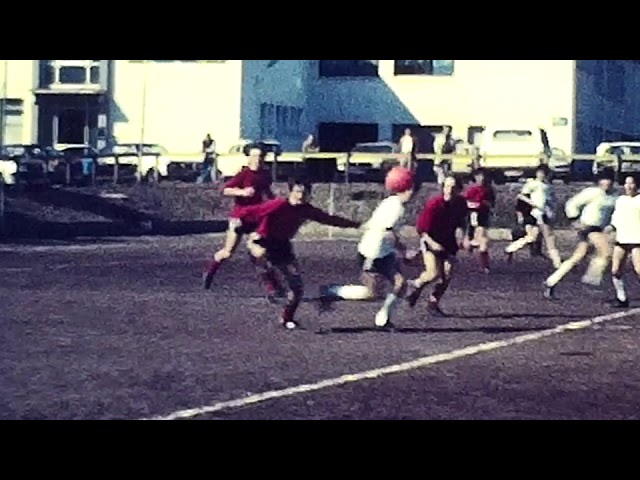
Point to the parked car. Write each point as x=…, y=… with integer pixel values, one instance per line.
x=514, y=153
x=32, y=162
x=143, y=159
x=560, y=165
x=623, y=157
x=366, y=158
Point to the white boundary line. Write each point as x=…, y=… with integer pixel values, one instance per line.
x=394, y=369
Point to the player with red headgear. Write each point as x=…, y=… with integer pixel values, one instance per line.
x=377, y=251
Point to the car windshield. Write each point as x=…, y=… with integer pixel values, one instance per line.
x=513, y=135
x=624, y=150
x=22, y=150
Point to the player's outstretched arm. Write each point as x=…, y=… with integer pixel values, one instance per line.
x=323, y=218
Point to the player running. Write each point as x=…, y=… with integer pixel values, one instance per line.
x=441, y=227
x=538, y=194
x=377, y=252
x=593, y=207
x=251, y=186
x=626, y=222
x=278, y=222
x=481, y=199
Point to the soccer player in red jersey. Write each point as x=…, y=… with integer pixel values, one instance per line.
x=278, y=223
x=441, y=226
x=250, y=187
x=480, y=200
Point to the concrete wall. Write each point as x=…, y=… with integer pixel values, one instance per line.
x=20, y=77
x=185, y=101
x=278, y=83
x=479, y=93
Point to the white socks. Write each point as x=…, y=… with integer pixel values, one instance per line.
x=351, y=292
x=621, y=293
x=382, y=318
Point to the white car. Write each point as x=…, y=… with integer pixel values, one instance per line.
x=146, y=160
x=367, y=157
x=623, y=157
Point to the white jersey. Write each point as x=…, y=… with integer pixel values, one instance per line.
x=593, y=206
x=406, y=144
x=378, y=240
x=626, y=220
x=541, y=196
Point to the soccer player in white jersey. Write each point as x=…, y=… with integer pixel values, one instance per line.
x=593, y=208
x=538, y=193
x=378, y=257
x=626, y=222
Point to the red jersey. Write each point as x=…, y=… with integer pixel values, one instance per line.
x=440, y=220
x=481, y=195
x=279, y=220
x=259, y=180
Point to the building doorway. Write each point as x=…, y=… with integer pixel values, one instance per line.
x=72, y=128
x=71, y=119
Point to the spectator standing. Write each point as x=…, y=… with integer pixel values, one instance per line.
x=408, y=149
x=209, y=151
x=443, y=145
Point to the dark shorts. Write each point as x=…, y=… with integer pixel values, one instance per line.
x=628, y=247
x=479, y=219
x=386, y=266
x=279, y=252
x=533, y=221
x=245, y=228
x=583, y=233
x=448, y=254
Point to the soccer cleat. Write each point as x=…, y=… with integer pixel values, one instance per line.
x=413, y=297
x=288, y=324
x=617, y=303
x=549, y=292
x=207, y=279
x=435, y=310
x=326, y=299
x=509, y=257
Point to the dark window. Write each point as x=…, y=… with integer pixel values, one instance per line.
x=95, y=75
x=423, y=67
x=348, y=68
x=73, y=75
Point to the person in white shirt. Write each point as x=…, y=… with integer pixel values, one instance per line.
x=407, y=148
x=593, y=209
x=626, y=223
x=378, y=257
x=538, y=194
x=443, y=144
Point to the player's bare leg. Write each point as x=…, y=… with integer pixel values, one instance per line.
x=266, y=271
x=433, y=270
x=550, y=242
x=533, y=233
x=293, y=278
x=618, y=261
x=579, y=254
x=440, y=289
x=383, y=317
x=481, y=238
x=232, y=241
x=600, y=261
